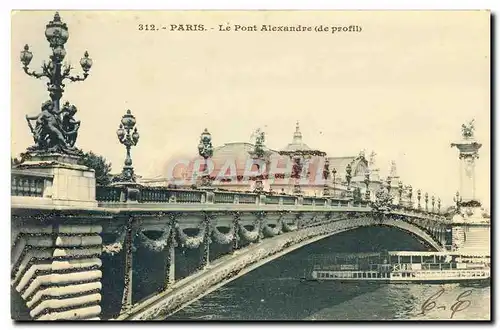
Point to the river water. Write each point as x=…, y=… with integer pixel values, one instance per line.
x=275, y=292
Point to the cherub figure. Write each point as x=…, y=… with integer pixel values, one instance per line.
x=70, y=126
x=47, y=133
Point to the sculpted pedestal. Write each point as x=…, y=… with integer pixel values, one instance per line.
x=471, y=231
x=55, y=240
x=65, y=182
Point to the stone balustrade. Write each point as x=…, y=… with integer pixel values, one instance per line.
x=31, y=184
x=111, y=195
x=115, y=194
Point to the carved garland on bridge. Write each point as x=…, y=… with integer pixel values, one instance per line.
x=270, y=232
x=155, y=245
x=117, y=245
x=192, y=242
x=288, y=228
x=222, y=238
x=250, y=235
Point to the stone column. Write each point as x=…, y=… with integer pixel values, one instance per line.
x=467, y=178
x=55, y=268
x=468, y=149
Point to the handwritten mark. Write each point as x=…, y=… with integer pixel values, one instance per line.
x=460, y=304
x=430, y=303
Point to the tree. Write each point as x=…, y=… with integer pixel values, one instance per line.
x=100, y=165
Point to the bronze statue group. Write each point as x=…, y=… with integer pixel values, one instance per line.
x=55, y=130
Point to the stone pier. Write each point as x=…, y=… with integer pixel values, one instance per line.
x=55, y=241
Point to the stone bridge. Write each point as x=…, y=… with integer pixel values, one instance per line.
x=64, y=255
x=76, y=248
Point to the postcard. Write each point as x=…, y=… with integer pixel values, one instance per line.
x=250, y=165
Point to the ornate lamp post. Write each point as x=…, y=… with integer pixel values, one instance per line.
x=334, y=173
x=296, y=172
x=128, y=139
x=348, y=178
x=400, y=191
x=367, y=183
x=410, y=196
x=326, y=175
x=426, y=202
x=259, y=153
x=388, y=182
x=458, y=200
x=419, y=197
x=205, y=150
x=433, y=200
x=53, y=134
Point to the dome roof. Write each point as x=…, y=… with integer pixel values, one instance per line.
x=233, y=149
x=296, y=146
x=297, y=143
x=235, y=154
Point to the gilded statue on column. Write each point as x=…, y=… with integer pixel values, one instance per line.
x=468, y=129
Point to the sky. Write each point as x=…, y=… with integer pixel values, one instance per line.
x=402, y=87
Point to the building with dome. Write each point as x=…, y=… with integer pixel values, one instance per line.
x=295, y=169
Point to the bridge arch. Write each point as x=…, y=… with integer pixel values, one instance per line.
x=231, y=267
x=402, y=225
